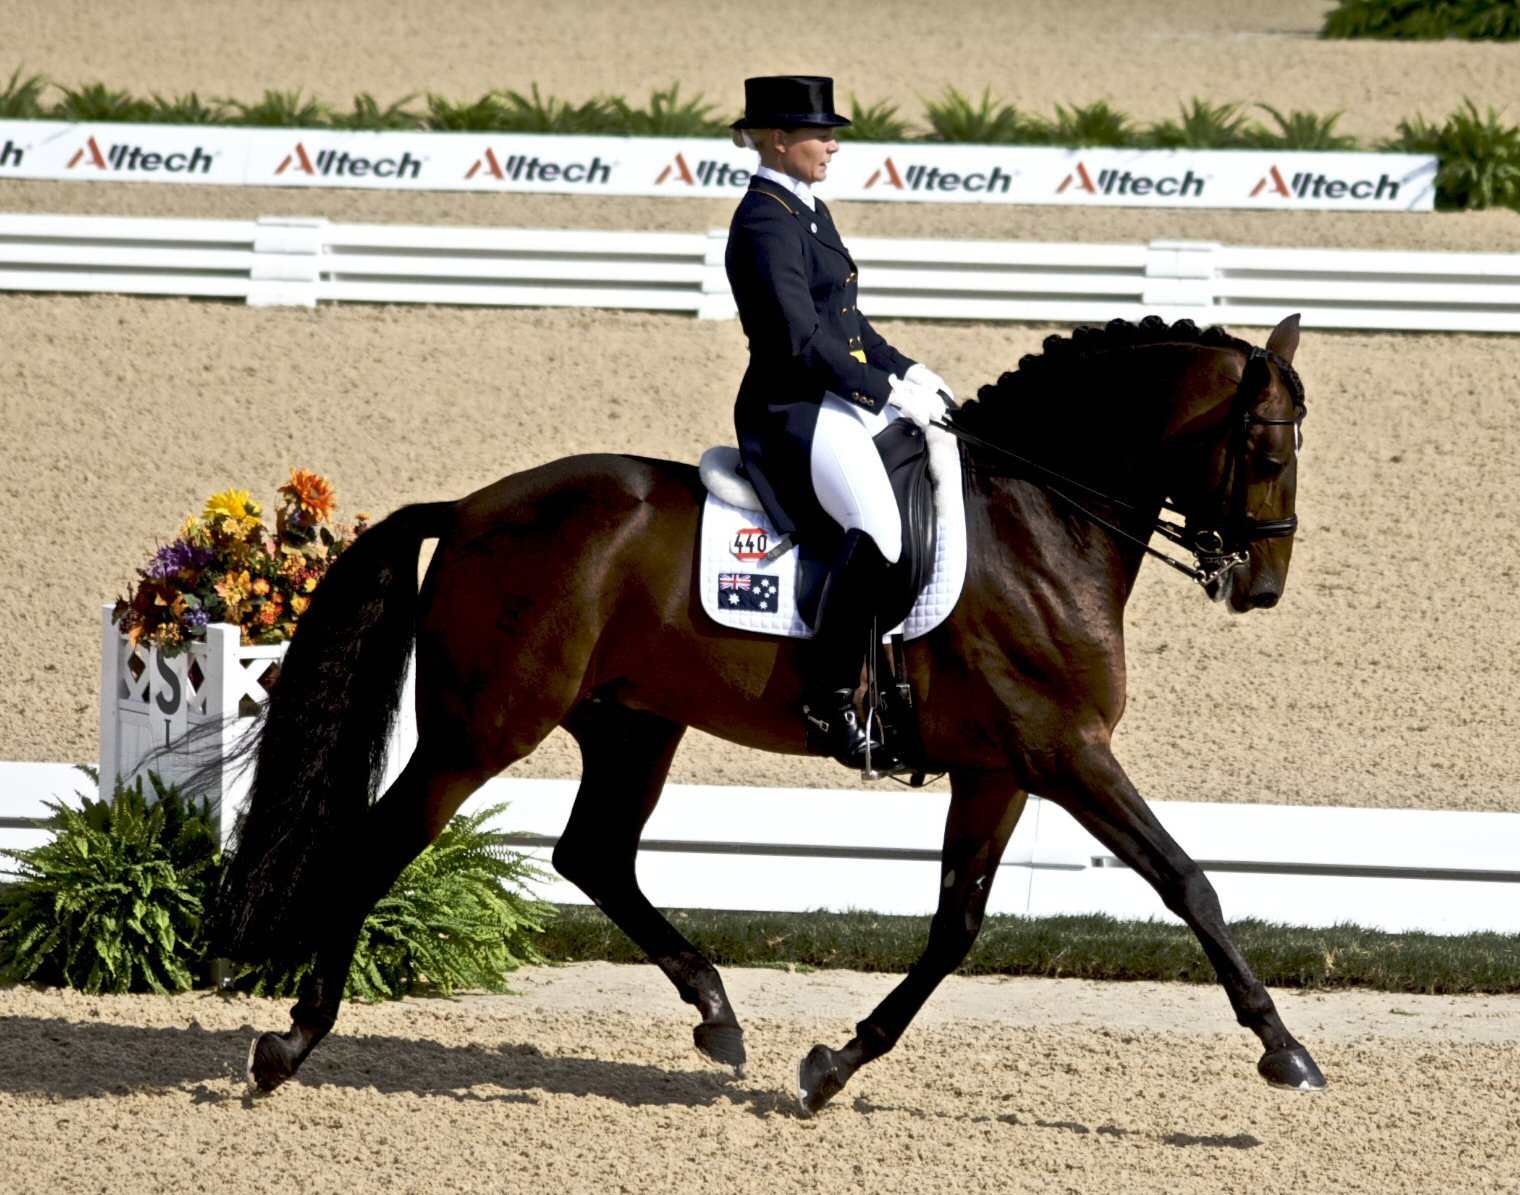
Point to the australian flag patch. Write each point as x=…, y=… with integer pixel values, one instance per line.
x=747, y=591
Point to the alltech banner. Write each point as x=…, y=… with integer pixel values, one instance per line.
x=565, y=165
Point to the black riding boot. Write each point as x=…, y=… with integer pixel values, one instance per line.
x=841, y=637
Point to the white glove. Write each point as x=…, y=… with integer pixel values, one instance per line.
x=916, y=402
x=922, y=375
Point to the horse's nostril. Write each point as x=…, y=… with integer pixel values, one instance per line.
x=1265, y=601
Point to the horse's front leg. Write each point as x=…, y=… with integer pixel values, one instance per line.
x=1099, y=795
x=984, y=808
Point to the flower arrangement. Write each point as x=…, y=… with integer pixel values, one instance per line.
x=227, y=566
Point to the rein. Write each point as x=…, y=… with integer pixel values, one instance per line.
x=1212, y=550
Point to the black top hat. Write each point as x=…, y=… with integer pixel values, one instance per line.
x=789, y=102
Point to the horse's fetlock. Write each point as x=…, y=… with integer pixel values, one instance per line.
x=872, y=1040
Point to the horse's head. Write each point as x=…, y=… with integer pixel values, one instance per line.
x=1237, y=472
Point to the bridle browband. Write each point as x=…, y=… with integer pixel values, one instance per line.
x=1215, y=549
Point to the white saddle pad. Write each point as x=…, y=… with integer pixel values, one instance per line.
x=740, y=589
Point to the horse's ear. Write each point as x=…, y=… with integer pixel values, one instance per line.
x=1284, y=338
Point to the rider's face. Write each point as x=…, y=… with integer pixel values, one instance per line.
x=804, y=153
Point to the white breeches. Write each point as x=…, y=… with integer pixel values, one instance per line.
x=848, y=476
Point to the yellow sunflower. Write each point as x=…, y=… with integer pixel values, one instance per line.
x=230, y=504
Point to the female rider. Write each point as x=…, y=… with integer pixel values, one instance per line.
x=821, y=383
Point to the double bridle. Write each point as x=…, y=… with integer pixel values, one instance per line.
x=1216, y=547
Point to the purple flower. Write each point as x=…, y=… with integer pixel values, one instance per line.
x=195, y=619
x=178, y=557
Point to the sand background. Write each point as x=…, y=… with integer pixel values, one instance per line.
x=1386, y=677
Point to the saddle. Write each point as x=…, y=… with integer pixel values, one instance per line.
x=752, y=579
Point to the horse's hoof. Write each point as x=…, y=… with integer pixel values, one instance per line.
x=1291, y=1067
x=271, y=1060
x=723, y=1044
x=818, y=1080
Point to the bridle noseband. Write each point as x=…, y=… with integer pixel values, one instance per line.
x=1225, y=541
x=1221, y=545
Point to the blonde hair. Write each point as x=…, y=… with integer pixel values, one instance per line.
x=754, y=139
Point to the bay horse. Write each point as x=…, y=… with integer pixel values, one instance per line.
x=566, y=595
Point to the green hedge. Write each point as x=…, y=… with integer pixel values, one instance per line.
x=1425, y=20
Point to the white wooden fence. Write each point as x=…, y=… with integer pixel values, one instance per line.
x=289, y=261
x=803, y=849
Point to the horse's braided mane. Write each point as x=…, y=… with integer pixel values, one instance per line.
x=1062, y=354
x=1041, y=387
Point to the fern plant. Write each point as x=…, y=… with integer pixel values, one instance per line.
x=666, y=116
x=1497, y=20
x=1304, y=130
x=187, y=109
x=112, y=903
x=523, y=114
x=1204, y=126
x=281, y=110
x=485, y=115
x=368, y=114
x=96, y=102
x=874, y=122
x=21, y=99
x=458, y=917
x=957, y=118
x=1479, y=157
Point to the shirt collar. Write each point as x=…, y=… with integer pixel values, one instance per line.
x=798, y=188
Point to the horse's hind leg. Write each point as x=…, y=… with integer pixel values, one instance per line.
x=626, y=756
x=984, y=808
x=395, y=831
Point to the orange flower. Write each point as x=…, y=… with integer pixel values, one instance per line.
x=312, y=492
x=261, y=586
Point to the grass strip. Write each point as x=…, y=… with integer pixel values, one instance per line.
x=1082, y=947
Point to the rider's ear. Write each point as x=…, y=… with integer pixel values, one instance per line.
x=1284, y=338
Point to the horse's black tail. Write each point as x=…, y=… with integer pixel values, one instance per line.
x=322, y=742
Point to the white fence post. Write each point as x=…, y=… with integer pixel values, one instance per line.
x=287, y=262
x=1180, y=280
x=180, y=715
x=177, y=715
x=717, y=300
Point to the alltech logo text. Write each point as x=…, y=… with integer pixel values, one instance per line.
x=1304, y=184
x=530, y=168
x=1131, y=183
x=915, y=176
x=339, y=163
x=706, y=173
x=134, y=159
x=12, y=156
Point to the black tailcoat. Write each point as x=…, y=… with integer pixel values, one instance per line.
x=795, y=285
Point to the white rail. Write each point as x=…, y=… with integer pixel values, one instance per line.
x=306, y=261
x=792, y=850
